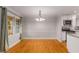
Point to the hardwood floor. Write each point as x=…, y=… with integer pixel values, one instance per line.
x=39, y=46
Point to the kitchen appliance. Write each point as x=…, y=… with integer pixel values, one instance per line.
x=67, y=24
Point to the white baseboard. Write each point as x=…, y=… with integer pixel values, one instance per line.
x=44, y=38
x=39, y=38
x=59, y=40
x=14, y=44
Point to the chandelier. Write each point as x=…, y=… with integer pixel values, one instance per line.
x=40, y=18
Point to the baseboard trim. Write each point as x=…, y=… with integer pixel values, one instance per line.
x=42, y=38
x=39, y=38
x=59, y=40
x=13, y=44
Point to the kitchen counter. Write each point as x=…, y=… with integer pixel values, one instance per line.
x=76, y=34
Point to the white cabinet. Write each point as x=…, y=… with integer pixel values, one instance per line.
x=73, y=44
x=12, y=40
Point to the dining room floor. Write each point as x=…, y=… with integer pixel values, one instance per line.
x=39, y=46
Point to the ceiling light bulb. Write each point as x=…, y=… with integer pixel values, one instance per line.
x=39, y=19
x=42, y=19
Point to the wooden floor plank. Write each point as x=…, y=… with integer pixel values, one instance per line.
x=39, y=46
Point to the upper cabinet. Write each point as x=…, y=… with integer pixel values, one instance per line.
x=10, y=25
x=69, y=22
x=70, y=17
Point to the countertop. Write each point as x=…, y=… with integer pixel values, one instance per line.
x=76, y=34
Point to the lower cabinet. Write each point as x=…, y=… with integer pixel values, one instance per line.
x=72, y=44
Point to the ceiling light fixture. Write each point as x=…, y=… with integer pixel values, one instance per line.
x=40, y=17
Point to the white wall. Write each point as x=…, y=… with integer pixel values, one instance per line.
x=60, y=34
x=34, y=29
x=51, y=28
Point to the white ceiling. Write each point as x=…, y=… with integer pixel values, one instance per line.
x=47, y=11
